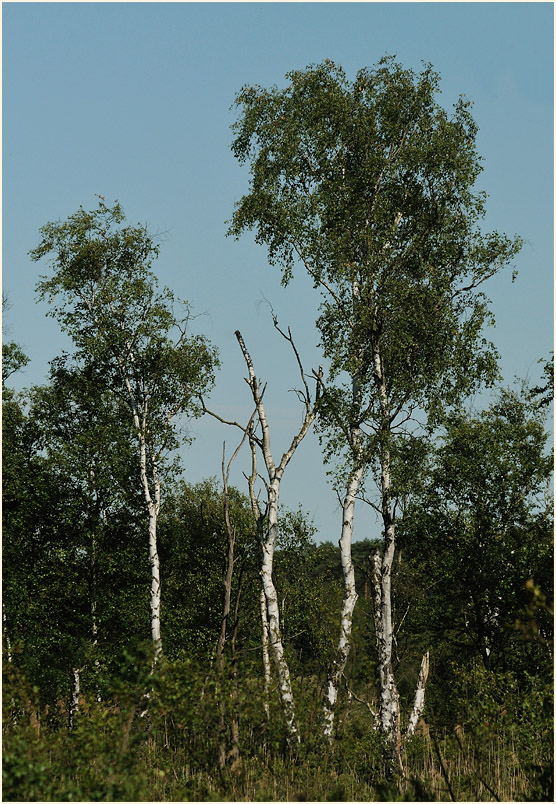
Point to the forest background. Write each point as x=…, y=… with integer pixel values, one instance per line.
x=133, y=102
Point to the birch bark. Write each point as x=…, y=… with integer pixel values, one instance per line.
x=275, y=636
x=75, y=693
x=153, y=506
x=389, y=709
x=419, y=702
x=348, y=604
x=348, y=508
x=266, y=657
x=259, y=520
x=267, y=523
x=139, y=410
x=94, y=595
x=7, y=637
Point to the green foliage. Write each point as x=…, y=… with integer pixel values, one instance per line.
x=108, y=418
x=113, y=753
x=481, y=528
x=544, y=394
x=105, y=296
x=370, y=185
x=98, y=760
x=307, y=598
x=70, y=533
x=193, y=545
x=13, y=359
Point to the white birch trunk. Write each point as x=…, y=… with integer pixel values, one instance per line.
x=94, y=622
x=7, y=637
x=155, y=580
x=348, y=605
x=139, y=413
x=273, y=613
x=75, y=693
x=389, y=707
x=153, y=507
x=259, y=518
x=350, y=595
x=266, y=657
x=419, y=702
x=389, y=710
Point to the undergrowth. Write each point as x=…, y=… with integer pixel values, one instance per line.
x=116, y=752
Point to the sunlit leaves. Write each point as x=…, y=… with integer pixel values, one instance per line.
x=105, y=295
x=369, y=185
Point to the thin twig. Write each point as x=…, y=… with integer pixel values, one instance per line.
x=360, y=700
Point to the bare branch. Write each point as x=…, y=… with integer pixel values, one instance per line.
x=226, y=474
x=403, y=618
x=290, y=340
x=366, y=703
x=227, y=421
x=257, y=398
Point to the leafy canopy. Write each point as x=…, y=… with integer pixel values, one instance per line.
x=370, y=186
x=105, y=296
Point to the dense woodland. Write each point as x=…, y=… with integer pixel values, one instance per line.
x=169, y=641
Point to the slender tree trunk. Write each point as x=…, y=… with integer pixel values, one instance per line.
x=94, y=634
x=94, y=622
x=153, y=507
x=348, y=604
x=152, y=501
x=270, y=613
x=266, y=657
x=273, y=612
x=231, y=538
x=234, y=754
x=348, y=574
x=155, y=581
x=389, y=709
x=419, y=702
x=6, y=637
x=226, y=606
x=75, y=693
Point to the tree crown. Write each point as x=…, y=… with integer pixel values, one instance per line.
x=370, y=186
x=105, y=295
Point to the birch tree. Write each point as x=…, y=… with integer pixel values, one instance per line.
x=266, y=516
x=368, y=186
x=105, y=296
x=268, y=521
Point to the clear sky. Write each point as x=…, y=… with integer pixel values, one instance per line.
x=132, y=101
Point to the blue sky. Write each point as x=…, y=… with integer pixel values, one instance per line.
x=132, y=101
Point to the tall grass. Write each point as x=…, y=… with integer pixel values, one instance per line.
x=113, y=753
